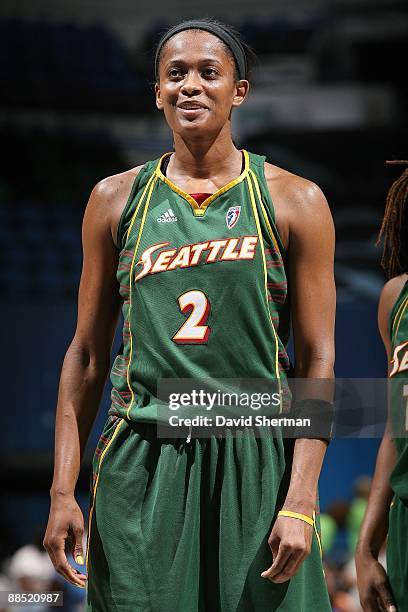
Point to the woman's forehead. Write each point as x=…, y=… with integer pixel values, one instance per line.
x=197, y=42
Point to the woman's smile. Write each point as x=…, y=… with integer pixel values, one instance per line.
x=192, y=112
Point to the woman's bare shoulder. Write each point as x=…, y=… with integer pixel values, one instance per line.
x=109, y=198
x=296, y=190
x=390, y=293
x=388, y=297
x=300, y=205
x=116, y=185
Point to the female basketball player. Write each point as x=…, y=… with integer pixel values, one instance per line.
x=387, y=510
x=199, y=247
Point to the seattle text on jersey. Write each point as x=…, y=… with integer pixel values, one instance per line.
x=224, y=249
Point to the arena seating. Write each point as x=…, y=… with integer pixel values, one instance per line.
x=67, y=66
x=46, y=180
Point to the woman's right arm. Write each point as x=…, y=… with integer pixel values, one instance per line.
x=85, y=367
x=371, y=576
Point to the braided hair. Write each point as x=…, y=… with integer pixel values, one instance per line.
x=394, y=227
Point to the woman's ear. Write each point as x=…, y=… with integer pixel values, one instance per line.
x=159, y=102
x=241, y=92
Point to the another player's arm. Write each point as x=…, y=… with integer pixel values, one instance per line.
x=313, y=299
x=371, y=576
x=85, y=367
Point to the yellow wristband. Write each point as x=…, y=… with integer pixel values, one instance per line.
x=302, y=517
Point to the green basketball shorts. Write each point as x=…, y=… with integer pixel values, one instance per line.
x=397, y=552
x=181, y=526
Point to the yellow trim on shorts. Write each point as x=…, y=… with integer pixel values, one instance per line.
x=317, y=534
x=258, y=227
x=198, y=210
x=115, y=431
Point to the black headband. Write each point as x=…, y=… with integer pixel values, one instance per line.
x=227, y=37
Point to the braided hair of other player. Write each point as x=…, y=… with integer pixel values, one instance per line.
x=394, y=227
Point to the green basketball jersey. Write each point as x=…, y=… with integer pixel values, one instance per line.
x=204, y=287
x=399, y=391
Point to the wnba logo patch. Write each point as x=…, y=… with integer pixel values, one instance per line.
x=232, y=216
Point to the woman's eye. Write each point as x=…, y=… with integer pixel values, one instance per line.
x=175, y=72
x=210, y=71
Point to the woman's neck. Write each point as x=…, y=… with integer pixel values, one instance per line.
x=202, y=160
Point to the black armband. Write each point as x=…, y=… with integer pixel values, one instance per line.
x=314, y=418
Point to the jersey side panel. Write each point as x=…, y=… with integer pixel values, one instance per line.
x=278, y=293
x=130, y=219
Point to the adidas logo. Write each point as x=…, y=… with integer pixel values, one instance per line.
x=167, y=217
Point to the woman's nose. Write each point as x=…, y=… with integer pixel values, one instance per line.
x=191, y=83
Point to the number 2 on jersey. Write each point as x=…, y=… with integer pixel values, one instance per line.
x=194, y=330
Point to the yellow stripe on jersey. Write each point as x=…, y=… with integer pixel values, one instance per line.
x=152, y=184
x=398, y=315
x=258, y=227
x=268, y=225
x=138, y=205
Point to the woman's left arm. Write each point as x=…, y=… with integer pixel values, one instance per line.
x=313, y=299
x=313, y=302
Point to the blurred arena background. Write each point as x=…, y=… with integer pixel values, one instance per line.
x=328, y=101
